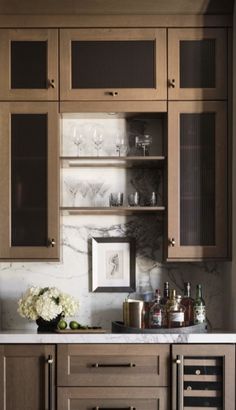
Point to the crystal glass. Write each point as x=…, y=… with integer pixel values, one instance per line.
x=77, y=138
x=121, y=147
x=143, y=142
x=116, y=199
x=97, y=135
x=134, y=199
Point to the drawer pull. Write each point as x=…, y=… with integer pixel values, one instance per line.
x=115, y=408
x=113, y=365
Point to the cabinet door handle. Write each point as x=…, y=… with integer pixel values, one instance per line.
x=50, y=362
x=51, y=83
x=113, y=365
x=180, y=374
x=51, y=242
x=115, y=408
x=113, y=93
x=171, y=83
x=171, y=242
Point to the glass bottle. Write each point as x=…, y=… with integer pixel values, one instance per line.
x=188, y=302
x=166, y=294
x=199, y=307
x=156, y=312
x=175, y=311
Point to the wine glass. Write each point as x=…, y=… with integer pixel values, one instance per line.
x=143, y=142
x=121, y=147
x=98, y=139
x=77, y=138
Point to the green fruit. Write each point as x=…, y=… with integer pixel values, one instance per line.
x=74, y=325
x=62, y=324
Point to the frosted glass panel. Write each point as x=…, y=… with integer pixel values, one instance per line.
x=197, y=179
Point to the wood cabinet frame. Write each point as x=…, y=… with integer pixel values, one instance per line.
x=24, y=252
x=68, y=35
x=220, y=250
x=174, y=38
x=48, y=35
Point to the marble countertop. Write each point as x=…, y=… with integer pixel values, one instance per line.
x=22, y=336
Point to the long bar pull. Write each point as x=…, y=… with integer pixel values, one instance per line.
x=113, y=365
x=180, y=388
x=50, y=382
x=115, y=408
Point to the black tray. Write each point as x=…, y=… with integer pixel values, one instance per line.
x=119, y=327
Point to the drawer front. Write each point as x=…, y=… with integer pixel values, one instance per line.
x=113, y=365
x=112, y=398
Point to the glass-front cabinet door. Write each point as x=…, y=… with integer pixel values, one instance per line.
x=197, y=181
x=29, y=181
x=29, y=64
x=203, y=376
x=197, y=64
x=113, y=64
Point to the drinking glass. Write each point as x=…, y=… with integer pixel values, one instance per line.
x=121, y=147
x=116, y=199
x=143, y=142
x=134, y=199
x=97, y=139
x=77, y=138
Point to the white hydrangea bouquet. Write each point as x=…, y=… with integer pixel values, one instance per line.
x=47, y=306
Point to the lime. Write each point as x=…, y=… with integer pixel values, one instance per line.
x=74, y=325
x=62, y=324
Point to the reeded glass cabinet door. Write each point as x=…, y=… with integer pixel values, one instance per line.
x=197, y=180
x=29, y=181
x=29, y=64
x=203, y=376
x=197, y=64
x=113, y=64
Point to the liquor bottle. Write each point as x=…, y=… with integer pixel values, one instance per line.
x=188, y=302
x=155, y=313
x=199, y=307
x=175, y=311
x=166, y=295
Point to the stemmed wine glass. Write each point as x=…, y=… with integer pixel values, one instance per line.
x=77, y=137
x=98, y=139
x=121, y=147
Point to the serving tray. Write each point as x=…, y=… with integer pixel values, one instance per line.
x=119, y=327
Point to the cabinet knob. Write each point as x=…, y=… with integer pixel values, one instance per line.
x=113, y=93
x=51, y=242
x=172, y=242
x=171, y=83
x=178, y=361
x=51, y=83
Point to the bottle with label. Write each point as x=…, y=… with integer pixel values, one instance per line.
x=188, y=302
x=156, y=312
x=175, y=311
x=199, y=307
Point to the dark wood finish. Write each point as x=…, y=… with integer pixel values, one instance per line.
x=49, y=37
x=97, y=36
x=149, y=365
x=191, y=374
x=220, y=248
x=24, y=377
x=7, y=251
x=147, y=398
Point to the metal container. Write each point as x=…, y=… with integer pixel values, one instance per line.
x=133, y=313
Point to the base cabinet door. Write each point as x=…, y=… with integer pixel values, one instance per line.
x=27, y=377
x=147, y=398
x=203, y=376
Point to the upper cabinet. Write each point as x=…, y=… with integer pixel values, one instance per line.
x=197, y=64
x=113, y=64
x=29, y=184
x=197, y=180
x=29, y=64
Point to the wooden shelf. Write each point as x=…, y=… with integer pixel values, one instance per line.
x=111, y=210
x=123, y=162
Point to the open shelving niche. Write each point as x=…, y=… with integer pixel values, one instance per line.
x=86, y=178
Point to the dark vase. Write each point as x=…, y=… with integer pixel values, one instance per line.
x=47, y=325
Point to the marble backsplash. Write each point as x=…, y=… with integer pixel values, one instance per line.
x=73, y=273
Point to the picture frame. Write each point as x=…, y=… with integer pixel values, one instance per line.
x=113, y=264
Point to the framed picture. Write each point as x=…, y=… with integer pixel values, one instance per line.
x=113, y=265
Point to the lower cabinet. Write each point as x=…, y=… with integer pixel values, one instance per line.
x=102, y=398
x=27, y=377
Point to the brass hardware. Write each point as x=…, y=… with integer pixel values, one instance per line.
x=189, y=388
x=171, y=242
x=113, y=93
x=172, y=83
x=50, y=382
x=113, y=365
x=178, y=361
x=198, y=372
x=51, y=242
x=51, y=83
x=50, y=360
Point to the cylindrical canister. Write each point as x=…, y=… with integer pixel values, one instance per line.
x=133, y=313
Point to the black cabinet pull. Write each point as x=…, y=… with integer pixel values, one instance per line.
x=114, y=408
x=113, y=365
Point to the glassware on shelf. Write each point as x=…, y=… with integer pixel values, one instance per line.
x=134, y=199
x=121, y=147
x=143, y=142
x=97, y=135
x=77, y=138
x=116, y=199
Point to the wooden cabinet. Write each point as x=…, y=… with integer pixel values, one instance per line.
x=29, y=183
x=113, y=64
x=197, y=64
x=203, y=376
x=87, y=398
x=27, y=377
x=29, y=64
x=197, y=181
